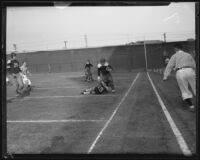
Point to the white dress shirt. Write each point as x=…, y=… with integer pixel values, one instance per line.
x=179, y=60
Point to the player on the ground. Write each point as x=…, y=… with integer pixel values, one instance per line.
x=88, y=72
x=104, y=73
x=101, y=88
x=184, y=65
x=16, y=75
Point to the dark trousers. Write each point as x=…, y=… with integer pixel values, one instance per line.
x=109, y=80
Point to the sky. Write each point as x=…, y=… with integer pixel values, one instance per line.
x=49, y=28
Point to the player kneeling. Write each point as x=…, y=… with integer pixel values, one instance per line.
x=101, y=88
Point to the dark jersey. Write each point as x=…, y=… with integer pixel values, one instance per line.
x=102, y=69
x=15, y=66
x=88, y=65
x=100, y=89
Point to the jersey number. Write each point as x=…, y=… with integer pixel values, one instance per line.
x=100, y=89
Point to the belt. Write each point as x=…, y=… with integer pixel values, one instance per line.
x=182, y=68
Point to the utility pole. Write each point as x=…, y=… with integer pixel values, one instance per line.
x=65, y=44
x=15, y=47
x=145, y=54
x=164, y=35
x=85, y=37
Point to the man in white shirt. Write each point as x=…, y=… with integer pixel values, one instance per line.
x=184, y=65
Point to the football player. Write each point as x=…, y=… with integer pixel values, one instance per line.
x=101, y=88
x=9, y=78
x=88, y=73
x=104, y=73
x=16, y=75
x=26, y=80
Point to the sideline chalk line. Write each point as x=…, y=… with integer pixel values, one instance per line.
x=182, y=144
x=113, y=114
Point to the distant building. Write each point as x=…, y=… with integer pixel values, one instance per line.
x=150, y=42
x=131, y=43
x=190, y=39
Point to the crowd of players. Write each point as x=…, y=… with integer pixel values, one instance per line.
x=18, y=75
x=181, y=62
x=105, y=80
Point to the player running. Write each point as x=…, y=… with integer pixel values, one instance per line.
x=104, y=73
x=16, y=75
x=88, y=73
x=24, y=73
x=101, y=88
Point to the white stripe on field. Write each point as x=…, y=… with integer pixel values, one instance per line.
x=183, y=146
x=113, y=114
x=54, y=87
x=74, y=96
x=52, y=121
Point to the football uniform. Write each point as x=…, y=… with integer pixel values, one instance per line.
x=24, y=71
x=8, y=67
x=100, y=89
x=26, y=81
x=8, y=73
x=15, y=66
x=88, y=72
x=104, y=70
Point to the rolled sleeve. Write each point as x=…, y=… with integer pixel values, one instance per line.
x=170, y=66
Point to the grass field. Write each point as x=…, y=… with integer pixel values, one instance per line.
x=55, y=118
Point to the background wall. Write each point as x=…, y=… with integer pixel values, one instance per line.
x=127, y=57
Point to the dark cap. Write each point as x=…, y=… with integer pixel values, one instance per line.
x=179, y=46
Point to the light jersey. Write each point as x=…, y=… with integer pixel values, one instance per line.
x=25, y=80
x=8, y=65
x=24, y=70
x=179, y=60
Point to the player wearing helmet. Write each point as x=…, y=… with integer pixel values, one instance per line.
x=104, y=73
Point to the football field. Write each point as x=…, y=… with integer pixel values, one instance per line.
x=144, y=116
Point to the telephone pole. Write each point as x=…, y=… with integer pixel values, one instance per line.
x=145, y=54
x=85, y=37
x=15, y=47
x=65, y=44
x=164, y=36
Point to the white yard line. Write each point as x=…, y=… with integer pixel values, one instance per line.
x=183, y=145
x=53, y=121
x=43, y=88
x=113, y=114
x=73, y=96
